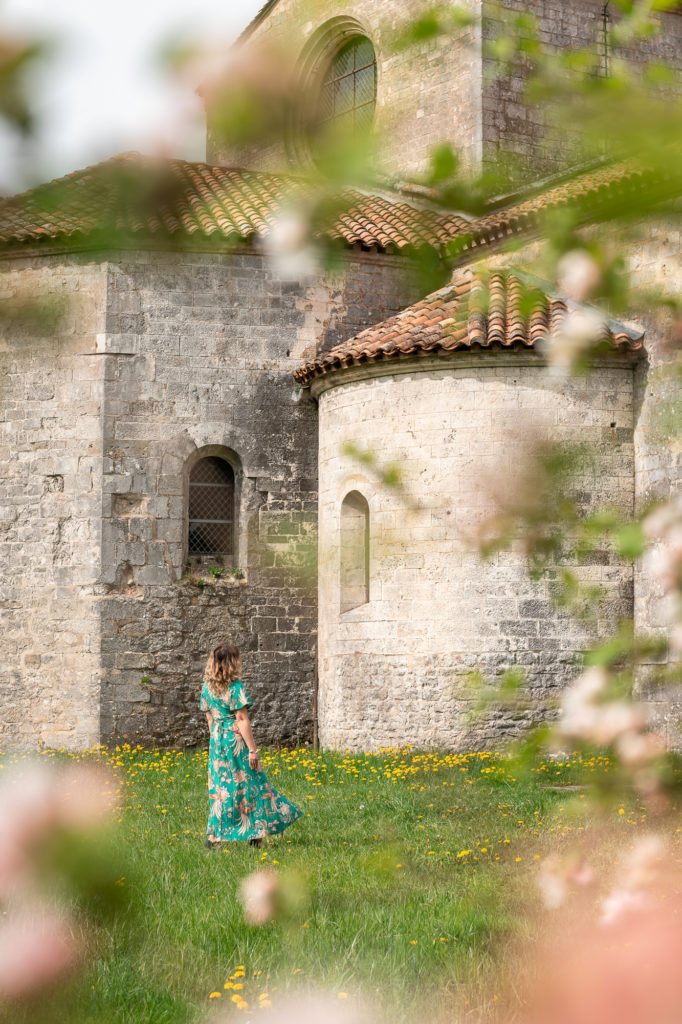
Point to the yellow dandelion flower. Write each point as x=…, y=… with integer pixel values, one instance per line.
x=215, y=995
x=342, y=995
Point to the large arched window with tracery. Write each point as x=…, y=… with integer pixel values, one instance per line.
x=349, y=87
x=211, y=525
x=354, y=551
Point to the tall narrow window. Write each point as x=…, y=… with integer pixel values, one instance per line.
x=349, y=88
x=211, y=508
x=354, y=551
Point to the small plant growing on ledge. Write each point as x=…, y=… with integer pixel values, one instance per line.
x=216, y=571
x=238, y=574
x=192, y=581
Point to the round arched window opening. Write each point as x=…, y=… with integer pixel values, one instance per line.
x=348, y=91
x=211, y=519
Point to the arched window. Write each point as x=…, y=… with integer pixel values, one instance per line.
x=211, y=508
x=349, y=88
x=354, y=551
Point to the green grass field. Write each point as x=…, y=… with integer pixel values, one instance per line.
x=412, y=874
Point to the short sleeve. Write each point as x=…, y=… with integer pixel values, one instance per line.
x=238, y=697
x=203, y=700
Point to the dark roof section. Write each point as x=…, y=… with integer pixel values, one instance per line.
x=255, y=22
x=502, y=310
x=598, y=192
x=130, y=197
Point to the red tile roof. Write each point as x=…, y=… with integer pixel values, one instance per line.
x=132, y=196
x=129, y=197
x=592, y=192
x=503, y=311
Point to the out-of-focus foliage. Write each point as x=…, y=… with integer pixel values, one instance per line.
x=623, y=111
x=17, y=59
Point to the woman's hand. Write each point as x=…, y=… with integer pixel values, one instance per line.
x=254, y=764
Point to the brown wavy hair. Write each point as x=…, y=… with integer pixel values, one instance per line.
x=223, y=667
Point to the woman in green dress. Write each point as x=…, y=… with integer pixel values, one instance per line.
x=243, y=804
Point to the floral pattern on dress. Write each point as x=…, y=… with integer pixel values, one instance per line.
x=243, y=804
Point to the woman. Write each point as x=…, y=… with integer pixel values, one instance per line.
x=243, y=803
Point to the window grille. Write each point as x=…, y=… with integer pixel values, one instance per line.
x=211, y=508
x=354, y=551
x=349, y=88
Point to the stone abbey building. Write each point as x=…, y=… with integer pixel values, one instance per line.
x=177, y=416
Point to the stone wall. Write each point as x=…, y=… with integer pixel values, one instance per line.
x=201, y=351
x=160, y=357
x=447, y=90
x=393, y=670
x=532, y=136
x=425, y=95
x=51, y=313
x=654, y=253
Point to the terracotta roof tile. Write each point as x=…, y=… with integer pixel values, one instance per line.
x=129, y=195
x=178, y=199
x=504, y=310
x=611, y=184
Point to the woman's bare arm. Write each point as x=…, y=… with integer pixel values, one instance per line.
x=209, y=719
x=241, y=717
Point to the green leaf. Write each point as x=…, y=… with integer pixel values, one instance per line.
x=630, y=540
x=444, y=162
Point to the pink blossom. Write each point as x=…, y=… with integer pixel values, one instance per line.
x=636, y=748
x=556, y=875
x=640, y=870
x=258, y=894
x=313, y=1009
x=27, y=811
x=85, y=796
x=36, y=949
x=599, y=722
x=37, y=799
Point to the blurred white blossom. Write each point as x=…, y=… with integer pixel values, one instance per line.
x=578, y=275
x=588, y=715
x=289, y=248
x=580, y=330
x=258, y=893
x=640, y=871
x=556, y=876
x=321, y=1007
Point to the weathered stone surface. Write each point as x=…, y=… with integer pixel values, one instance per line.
x=393, y=670
x=97, y=433
x=449, y=89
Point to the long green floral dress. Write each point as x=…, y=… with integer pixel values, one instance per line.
x=243, y=803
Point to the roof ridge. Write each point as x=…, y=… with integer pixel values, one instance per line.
x=256, y=20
